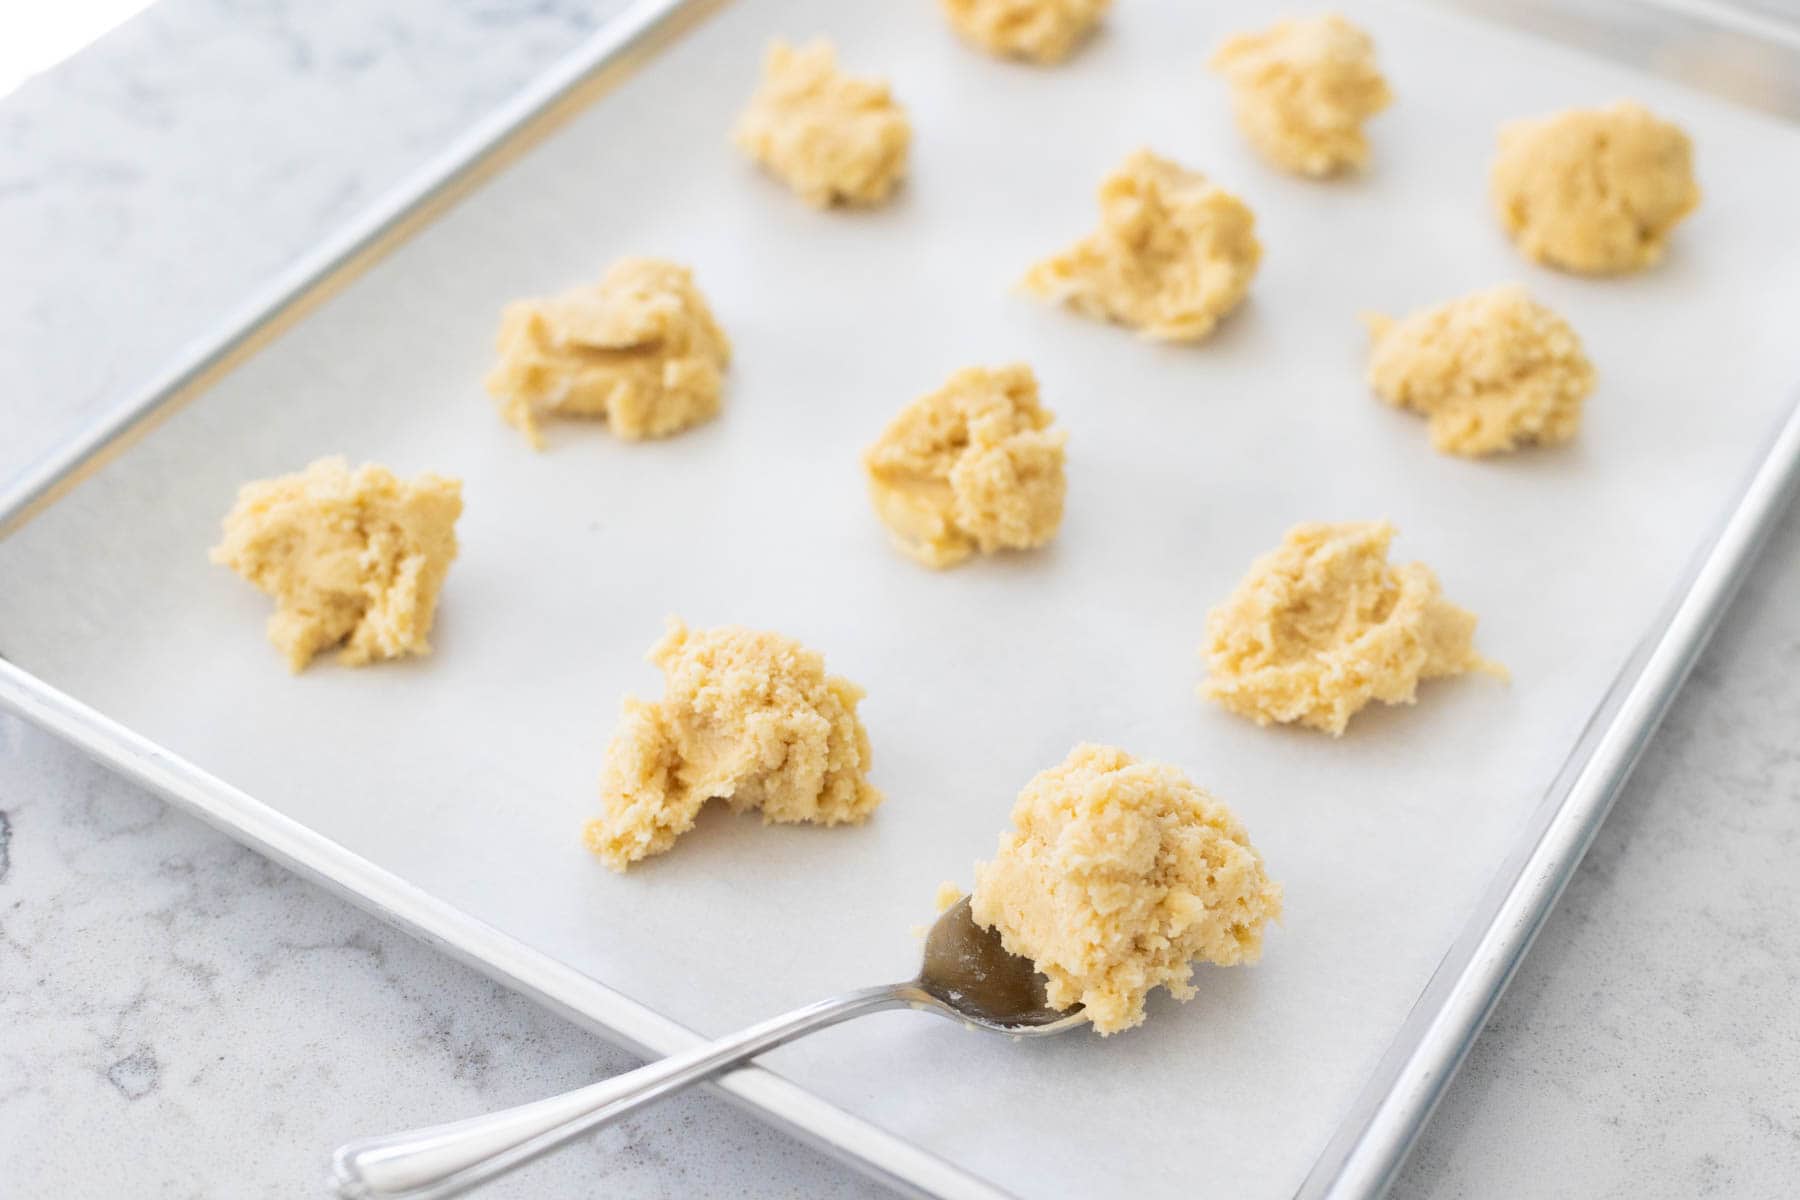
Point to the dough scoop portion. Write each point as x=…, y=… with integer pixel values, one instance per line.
x=1594, y=190
x=1117, y=877
x=747, y=717
x=1324, y=624
x=833, y=138
x=640, y=350
x=973, y=467
x=1173, y=255
x=1301, y=91
x=1039, y=31
x=1491, y=372
x=351, y=558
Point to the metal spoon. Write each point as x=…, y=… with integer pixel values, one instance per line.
x=967, y=976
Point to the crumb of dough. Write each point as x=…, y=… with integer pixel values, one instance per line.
x=351, y=557
x=1491, y=371
x=974, y=466
x=1324, y=624
x=1040, y=31
x=1302, y=89
x=1117, y=876
x=746, y=717
x=831, y=137
x=1594, y=190
x=640, y=349
x=1174, y=253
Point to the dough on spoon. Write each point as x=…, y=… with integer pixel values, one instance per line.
x=746, y=717
x=1118, y=876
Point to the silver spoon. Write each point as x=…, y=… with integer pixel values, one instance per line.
x=966, y=976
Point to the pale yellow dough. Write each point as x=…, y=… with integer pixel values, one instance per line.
x=1301, y=90
x=746, y=717
x=1041, y=31
x=974, y=466
x=1117, y=876
x=350, y=557
x=1174, y=253
x=1324, y=624
x=832, y=138
x=1594, y=190
x=640, y=349
x=1492, y=371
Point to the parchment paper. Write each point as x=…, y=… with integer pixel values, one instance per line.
x=471, y=772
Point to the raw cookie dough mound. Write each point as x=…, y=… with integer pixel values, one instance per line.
x=1302, y=89
x=1324, y=624
x=351, y=557
x=641, y=349
x=1041, y=31
x=974, y=466
x=1174, y=253
x=832, y=138
x=1117, y=877
x=1594, y=190
x=1492, y=371
x=746, y=717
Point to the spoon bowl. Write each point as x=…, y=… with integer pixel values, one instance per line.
x=977, y=980
x=966, y=975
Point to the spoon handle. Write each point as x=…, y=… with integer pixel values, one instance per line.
x=446, y=1160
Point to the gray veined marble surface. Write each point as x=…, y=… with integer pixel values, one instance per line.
x=180, y=1018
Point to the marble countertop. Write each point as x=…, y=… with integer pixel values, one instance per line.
x=179, y=1017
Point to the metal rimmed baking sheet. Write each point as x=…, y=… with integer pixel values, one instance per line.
x=452, y=788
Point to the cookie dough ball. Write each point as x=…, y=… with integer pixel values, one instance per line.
x=746, y=717
x=1302, y=89
x=1174, y=253
x=1117, y=877
x=832, y=138
x=1594, y=190
x=351, y=558
x=974, y=466
x=1324, y=624
x=1492, y=371
x=1041, y=31
x=640, y=350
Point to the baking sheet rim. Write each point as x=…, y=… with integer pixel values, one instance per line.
x=1372, y=1140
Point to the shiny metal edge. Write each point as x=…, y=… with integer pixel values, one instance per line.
x=619, y=49
x=1714, y=46
x=1375, y=1137
x=557, y=986
x=1745, y=57
x=1753, y=60
x=616, y=51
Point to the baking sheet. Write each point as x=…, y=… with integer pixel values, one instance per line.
x=469, y=773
